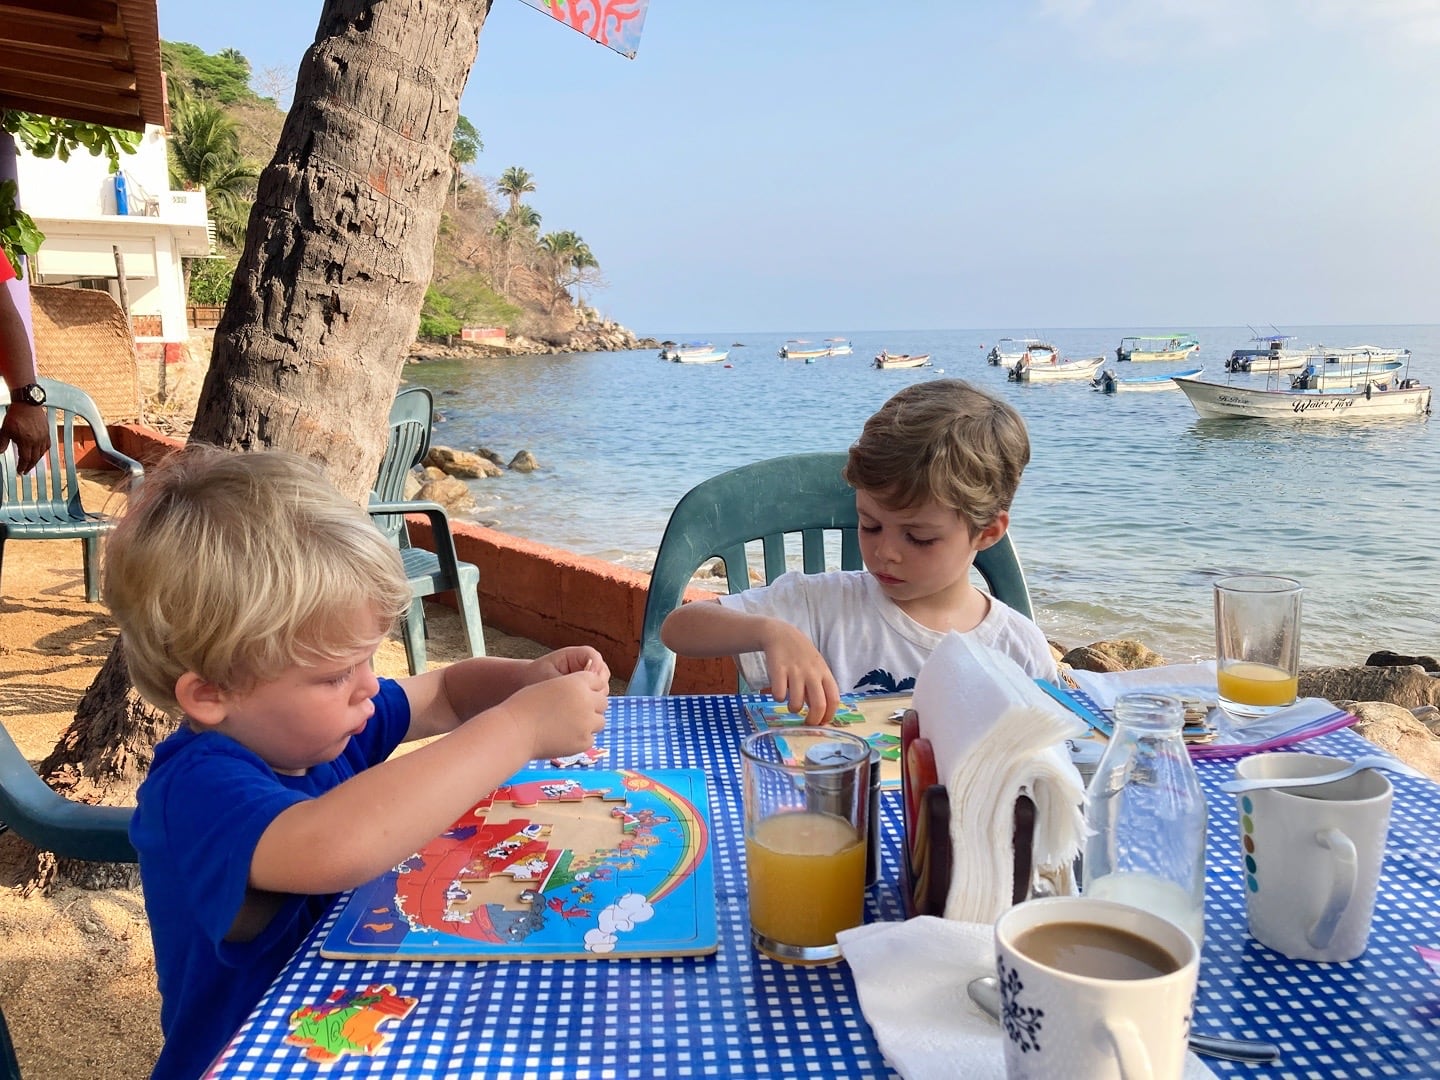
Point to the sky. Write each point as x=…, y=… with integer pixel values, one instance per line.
x=955, y=164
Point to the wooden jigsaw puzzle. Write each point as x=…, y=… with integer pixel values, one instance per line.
x=874, y=717
x=553, y=865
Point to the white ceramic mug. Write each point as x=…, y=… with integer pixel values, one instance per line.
x=1060, y=1025
x=1312, y=855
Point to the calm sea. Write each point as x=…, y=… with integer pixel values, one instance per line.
x=1131, y=505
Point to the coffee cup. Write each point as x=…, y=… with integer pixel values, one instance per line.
x=1312, y=855
x=1093, y=988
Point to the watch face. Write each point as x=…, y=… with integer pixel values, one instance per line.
x=30, y=394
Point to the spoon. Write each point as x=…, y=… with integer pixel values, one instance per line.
x=985, y=992
x=1371, y=761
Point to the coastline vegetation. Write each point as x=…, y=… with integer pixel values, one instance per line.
x=492, y=264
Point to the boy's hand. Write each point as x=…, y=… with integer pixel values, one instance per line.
x=563, y=712
x=566, y=661
x=799, y=675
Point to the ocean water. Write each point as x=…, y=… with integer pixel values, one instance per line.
x=1130, y=507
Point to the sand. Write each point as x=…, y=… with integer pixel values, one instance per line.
x=77, y=974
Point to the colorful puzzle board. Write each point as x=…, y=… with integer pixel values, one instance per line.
x=553, y=865
x=874, y=717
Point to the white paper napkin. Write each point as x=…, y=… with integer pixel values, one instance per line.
x=911, y=978
x=996, y=735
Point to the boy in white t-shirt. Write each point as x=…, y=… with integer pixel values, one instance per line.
x=934, y=472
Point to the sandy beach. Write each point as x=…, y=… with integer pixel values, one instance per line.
x=77, y=975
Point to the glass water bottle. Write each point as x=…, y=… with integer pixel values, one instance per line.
x=1146, y=816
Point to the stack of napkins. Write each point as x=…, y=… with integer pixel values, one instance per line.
x=996, y=736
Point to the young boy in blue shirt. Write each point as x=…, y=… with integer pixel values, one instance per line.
x=934, y=471
x=251, y=597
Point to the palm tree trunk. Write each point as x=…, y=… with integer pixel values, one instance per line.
x=327, y=294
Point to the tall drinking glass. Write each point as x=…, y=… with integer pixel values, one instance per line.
x=1257, y=643
x=807, y=801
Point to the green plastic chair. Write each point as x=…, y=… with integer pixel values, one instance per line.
x=45, y=503
x=430, y=572
x=766, y=501
x=50, y=821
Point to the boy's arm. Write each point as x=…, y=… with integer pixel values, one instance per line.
x=378, y=818
x=799, y=675
x=441, y=699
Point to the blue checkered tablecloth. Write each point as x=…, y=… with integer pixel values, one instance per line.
x=737, y=1014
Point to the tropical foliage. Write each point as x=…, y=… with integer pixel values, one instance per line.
x=223, y=77
x=45, y=137
x=205, y=152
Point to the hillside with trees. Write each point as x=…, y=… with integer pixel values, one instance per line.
x=494, y=265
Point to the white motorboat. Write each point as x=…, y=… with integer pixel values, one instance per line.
x=1108, y=382
x=1161, y=347
x=1272, y=353
x=902, y=360
x=1032, y=371
x=1216, y=400
x=694, y=352
x=1336, y=376
x=1005, y=352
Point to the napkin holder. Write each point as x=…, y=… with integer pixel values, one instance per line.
x=928, y=856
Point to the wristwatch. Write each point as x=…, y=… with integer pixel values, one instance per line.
x=29, y=394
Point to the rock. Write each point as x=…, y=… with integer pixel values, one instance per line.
x=524, y=461
x=451, y=493
x=430, y=472
x=490, y=455
x=1386, y=658
x=1122, y=655
x=461, y=463
x=412, y=485
x=1394, y=728
x=1408, y=687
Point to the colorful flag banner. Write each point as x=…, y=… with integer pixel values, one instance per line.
x=616, y=24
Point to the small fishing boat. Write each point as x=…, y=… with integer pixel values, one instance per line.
x=694, y=352
x=901, y=360
x=1220, y=400
x=1162, y=347
x=800, y=349
x=1335, y=376
x=1030, y=370
x=1107, y=382
x=836, y=346
x=1006, y=351
x=1272, y=352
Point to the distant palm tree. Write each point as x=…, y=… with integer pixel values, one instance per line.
x=205, y=152
x=570, y=257
x=514, y=184
x=525, y=217
x=465, y=144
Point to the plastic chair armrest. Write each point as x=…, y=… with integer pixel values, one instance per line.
x=439, y=528
x=52, y=822
x=653, y=674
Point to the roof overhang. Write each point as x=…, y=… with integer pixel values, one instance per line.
x=94, y=60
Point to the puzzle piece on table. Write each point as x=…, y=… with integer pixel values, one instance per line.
x=887, y=744
x=347, y=1023
x=582, y=760
x=778, y=714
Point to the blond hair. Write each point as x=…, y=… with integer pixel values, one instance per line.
x=236, y=565
x=942, y=440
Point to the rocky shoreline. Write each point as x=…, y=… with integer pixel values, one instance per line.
x=600, y=335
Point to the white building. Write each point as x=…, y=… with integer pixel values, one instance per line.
x=86, y=213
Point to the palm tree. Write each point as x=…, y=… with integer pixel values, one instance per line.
x=570, y=258
x=205, y=152
x=525, y=218
x=463, y=148
x=514, y=183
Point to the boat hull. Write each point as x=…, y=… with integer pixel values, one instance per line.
x=1271, y=362
x=713, y=357
x=887, y=362
x=1071, y=369
x=1218, y=401
x=1341, y=376
x=1109, y=383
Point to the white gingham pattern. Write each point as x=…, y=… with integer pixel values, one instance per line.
x=736, y=1014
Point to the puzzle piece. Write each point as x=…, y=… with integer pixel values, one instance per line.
x=582, y=760
x=348, y=1022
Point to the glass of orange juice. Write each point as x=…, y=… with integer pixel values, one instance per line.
x=806, y=799
x=1257, y=643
